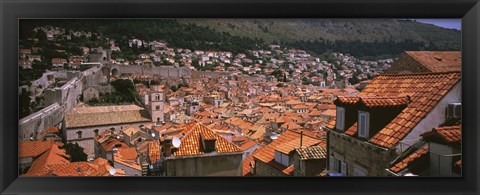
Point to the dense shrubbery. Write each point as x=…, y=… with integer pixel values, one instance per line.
x=363, y=50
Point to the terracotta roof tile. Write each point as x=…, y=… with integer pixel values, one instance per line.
x=448, y=134
x=312, y=152
x=352, y=130
x=41, y=165
x=438, y=61
x=410, y=85
x=383, y=101
x=191, y=143
x=247, y=144
x=347, y=100
x=285, y=143
x=408, y=160
x=153, y=151
x=33, y=148
x=105, y=115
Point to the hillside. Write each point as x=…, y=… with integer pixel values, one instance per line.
x=363, y=38
x=367, y=30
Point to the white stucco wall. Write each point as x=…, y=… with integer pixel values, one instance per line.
x=436, y=115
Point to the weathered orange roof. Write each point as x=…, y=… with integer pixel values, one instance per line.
x=191, y=143
x=425, y=91
x=291, y=126
x=128, y=153
x=410, y=159
x=285, y=143
x=42, y=165
x=331, y=123
x=352, y=130
x=33, y=148
x=438, y=61
x=347, y=99
x=153, y=151
x=247, y=144
x=329, y=112
x=449, y=134
x=382, y=101
x=246, y=164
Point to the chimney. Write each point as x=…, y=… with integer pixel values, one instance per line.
x=301, y=138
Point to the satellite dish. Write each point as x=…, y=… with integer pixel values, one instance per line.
x=112, y=171
x=176, y=142
x=274, y=137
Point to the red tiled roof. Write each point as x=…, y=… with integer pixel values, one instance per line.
x=153, y=151
x=331, y=123
x=42, y=165
x=191, y=143
x=347, y=100
x=285, y=143
x=438, y=61
x=382, y=101
x=410, y=159
x=246, y=165
x=352, y=130
x=449, y=134
x=128, y=153
x=425, y=90
x=33, y=148
x=247, y=144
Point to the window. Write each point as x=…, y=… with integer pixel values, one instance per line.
x=332, y=164
x=96, y=132
x=298, y=164
x=157, y=97
x=285, y=160
x=157, y=108
x=363, y=124
x=281, y=158
x=343, y=168
x=79, y=134
x=278, y=157
x=340, y=121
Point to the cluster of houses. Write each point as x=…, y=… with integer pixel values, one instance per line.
x=240, y=120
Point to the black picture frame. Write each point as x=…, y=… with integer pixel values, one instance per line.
x=11, y=11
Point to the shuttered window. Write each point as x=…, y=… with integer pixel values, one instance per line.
x=340, y=120
x=363, y=124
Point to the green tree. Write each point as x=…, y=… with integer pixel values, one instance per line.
x=24, y=103
x=76, y=152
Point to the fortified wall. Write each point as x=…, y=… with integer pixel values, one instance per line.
x=34, y=123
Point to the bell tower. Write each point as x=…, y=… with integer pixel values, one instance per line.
x=155, y=106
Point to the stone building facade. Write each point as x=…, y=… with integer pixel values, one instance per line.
x=205, y=165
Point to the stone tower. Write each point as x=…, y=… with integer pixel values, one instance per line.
x=155, y=105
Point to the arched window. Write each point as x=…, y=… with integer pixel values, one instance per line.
x=96, y=132
x=79, y=134
x=157, y=97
